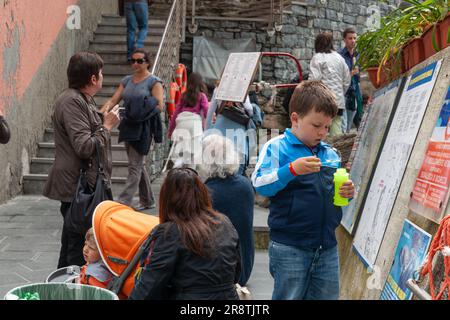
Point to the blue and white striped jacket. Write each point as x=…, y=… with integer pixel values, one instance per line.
x=302, y=213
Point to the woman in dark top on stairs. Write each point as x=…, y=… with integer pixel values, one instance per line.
x=140, y=91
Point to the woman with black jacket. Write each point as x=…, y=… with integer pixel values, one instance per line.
x=195, y=251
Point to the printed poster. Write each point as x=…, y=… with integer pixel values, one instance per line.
x=431, y=191
x=366, y=148
x=392, y=163
x=237, y=75
x=410, y=254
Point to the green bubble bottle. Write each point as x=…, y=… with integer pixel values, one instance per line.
x=340, y=177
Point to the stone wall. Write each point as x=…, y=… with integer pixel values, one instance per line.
x=301, y=24
x=34, y=56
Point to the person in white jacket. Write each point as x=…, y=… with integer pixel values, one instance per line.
x=329, y=67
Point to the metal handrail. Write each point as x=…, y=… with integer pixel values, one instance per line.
x=166, y=30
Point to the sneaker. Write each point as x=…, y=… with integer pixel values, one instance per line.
x=142, y=208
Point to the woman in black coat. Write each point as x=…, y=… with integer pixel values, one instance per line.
x=232, y=194
x=5, y=133
x=194, y=254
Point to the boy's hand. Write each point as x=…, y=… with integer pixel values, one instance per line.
x=307, y=165
x=347, y=190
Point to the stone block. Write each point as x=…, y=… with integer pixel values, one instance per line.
x=303, y=22
x=290, y=40
x=313, y=12
x=331, y=14
x=298, y=10
x=229, y=24
x=289, y=29
x=322, y=24
x=349, y=19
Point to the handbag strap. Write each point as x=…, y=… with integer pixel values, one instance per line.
x=99, y=156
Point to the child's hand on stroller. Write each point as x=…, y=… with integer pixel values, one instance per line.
x=307, y=165
x=347, y=190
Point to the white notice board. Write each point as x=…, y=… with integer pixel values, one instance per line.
x=392, y=163
x=239, y=71
x=368, y=148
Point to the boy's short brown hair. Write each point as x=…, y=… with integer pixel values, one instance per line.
x=312, y=94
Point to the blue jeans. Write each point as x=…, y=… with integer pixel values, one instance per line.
x=304, y=274
x=137, y=18
x=350, y=116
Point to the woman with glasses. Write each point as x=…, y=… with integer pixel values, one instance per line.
x=194, y=252
x=78, y=127
x=143, y=97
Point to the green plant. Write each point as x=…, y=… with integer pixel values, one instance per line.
x=382, y=48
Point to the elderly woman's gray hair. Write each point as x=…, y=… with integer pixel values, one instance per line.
x=220, y=158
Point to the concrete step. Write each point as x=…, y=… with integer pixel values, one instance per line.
x=43, y=165
x=49, y=136
x=116, y=20
x=121, y=45
x=122, y=30
x=35, y=183
x=47, y=150
x=105, y=36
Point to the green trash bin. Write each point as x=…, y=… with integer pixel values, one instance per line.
x=62, y=291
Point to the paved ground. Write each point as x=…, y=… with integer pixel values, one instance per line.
x=30, y=231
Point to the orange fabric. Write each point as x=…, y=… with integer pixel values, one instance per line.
x=119, y=232
x=91, y=281
x=181, y=77
x=174, y=98
x=440, y=240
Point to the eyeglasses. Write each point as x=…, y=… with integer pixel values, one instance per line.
x=139, y=61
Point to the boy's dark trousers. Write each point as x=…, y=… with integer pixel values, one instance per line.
x=71, y=244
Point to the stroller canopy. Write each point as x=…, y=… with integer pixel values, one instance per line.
x=119, y=232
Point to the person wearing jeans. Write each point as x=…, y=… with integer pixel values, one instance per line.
x=353, y=96
x=303, y=273
x=136, y=14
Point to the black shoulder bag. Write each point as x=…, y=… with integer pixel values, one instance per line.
x=79, y=216
x=235, y=113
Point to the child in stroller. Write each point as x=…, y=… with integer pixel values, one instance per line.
x=120, y=235
x=94, y=272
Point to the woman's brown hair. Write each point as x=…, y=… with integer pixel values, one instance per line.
x=147, y=56
x=195, y=85
x=324, y=43
x=185, y=201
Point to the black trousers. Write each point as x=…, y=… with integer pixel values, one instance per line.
x=71, y=244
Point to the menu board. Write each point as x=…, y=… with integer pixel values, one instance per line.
x=430, y=195
x=366, y=148
x=237, y=75
x=392, y=163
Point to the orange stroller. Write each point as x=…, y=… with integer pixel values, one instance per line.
x=121, y=235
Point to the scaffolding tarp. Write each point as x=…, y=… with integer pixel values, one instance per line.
x=210, y=55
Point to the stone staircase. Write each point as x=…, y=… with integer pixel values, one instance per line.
x=109, y=42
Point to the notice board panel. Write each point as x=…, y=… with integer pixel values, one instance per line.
x=392, y=163
x=368, y=144
x=430, y=194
